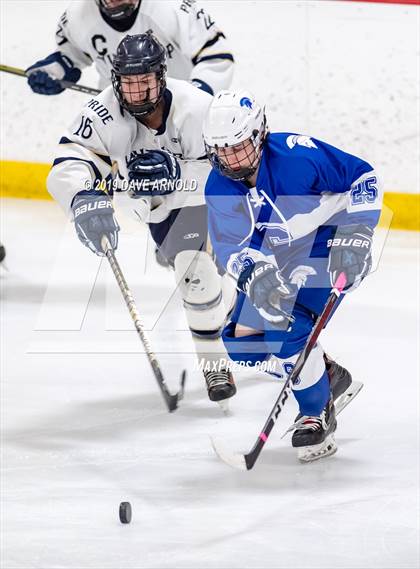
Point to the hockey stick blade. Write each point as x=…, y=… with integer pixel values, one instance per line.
x=173, y=400
x=235, y=460
x=340, y=403
x=247, y=461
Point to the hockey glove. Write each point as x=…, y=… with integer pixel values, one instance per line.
x=44, y=75
x=153, y=173
x=93, y=219
x=350, y=252
x=266, y=288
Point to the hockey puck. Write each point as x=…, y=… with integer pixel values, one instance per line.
x=125, y=512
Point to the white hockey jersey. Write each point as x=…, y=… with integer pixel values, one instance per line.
x=196, y=48
x=103, y=138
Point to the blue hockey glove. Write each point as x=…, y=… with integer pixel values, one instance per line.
x=266, y=288
x=350, y=253
x=153, y=173
x=93, y=219
x=43, y=75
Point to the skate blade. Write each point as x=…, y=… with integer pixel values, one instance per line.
x=345, y=398
x=224, y=406
x=315, y=452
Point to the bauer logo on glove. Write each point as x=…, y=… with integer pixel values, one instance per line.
x=153, y=173
x=94, y=219
x=268, y=290
x=350, y=252
x=92, y=206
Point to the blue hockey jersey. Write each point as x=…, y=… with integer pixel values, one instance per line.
x=303, y=185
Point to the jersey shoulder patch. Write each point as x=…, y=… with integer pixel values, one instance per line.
x=301, y=140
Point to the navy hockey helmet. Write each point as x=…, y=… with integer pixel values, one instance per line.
x=118, y=9
x=138, y=55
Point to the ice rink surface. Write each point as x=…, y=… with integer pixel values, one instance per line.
x=84, y=427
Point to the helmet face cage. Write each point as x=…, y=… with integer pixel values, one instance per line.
x=118, y=9
x=148, y=105
x=233, y=170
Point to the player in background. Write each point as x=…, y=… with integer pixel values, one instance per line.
x=89, y=32
x=138, y=139
x=287, y=214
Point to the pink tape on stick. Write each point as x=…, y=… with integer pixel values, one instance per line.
x=341, y=282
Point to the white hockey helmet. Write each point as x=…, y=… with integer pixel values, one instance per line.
x=233, y=118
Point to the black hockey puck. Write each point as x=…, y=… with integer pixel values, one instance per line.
x=125, y=512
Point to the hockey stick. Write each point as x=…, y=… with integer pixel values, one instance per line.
x=65, y=84
x=170, y=400
x=247, y=461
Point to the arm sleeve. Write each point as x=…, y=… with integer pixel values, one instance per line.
x=206, y=46
x=66, y=44
x=337, y=188
x=364, y=200
x=81, y=161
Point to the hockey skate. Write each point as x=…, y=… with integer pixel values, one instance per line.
x=340, y=378
x=343, y=388
x=220, y=387
x=314, y=436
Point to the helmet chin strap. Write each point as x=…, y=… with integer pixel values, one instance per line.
x=122, y=12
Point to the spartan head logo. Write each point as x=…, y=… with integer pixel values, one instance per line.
x=246, y=102
x=300, y=140
x=300, y=274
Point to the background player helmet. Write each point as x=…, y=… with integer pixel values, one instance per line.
x=233, y=118
x=118, y=9
x=138, y=55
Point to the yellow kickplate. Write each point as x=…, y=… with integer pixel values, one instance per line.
x=28, y=180
x=405, y=211
x=24, y=180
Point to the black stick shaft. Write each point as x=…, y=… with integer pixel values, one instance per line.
x=252, y=456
